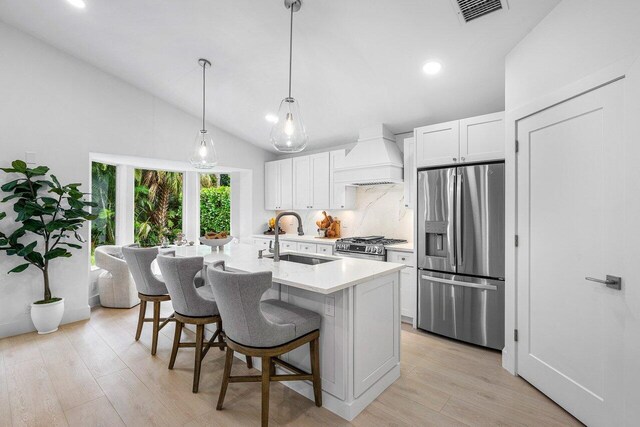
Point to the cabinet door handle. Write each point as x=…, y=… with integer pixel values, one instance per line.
x=455, y=159
x=462, y=159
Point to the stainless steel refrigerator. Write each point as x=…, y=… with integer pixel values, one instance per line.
x=461, y=253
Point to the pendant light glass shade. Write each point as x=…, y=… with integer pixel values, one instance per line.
x=288, y=135
x=204, y=155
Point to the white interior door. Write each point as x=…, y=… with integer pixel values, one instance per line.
x=570, y=199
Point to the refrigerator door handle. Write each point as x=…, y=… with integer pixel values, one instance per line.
x=459, y=182
x=451, y=222
x=459, y=283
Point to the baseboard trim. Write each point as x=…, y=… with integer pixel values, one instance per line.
x=94, y=301
x=24, y=325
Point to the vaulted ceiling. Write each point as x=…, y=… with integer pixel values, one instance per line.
x=356, y=62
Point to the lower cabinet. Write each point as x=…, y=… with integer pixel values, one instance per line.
x=309, y=248
x=288, y=245
x=408, y=284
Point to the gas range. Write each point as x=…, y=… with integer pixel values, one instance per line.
x=369, y=247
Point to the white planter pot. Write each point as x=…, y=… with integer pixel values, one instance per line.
x=47, y=317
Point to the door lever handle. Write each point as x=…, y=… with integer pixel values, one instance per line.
x=613, y=282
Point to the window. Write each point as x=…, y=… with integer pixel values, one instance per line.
x=158, y=206
x=215, y=203
x=103, y=192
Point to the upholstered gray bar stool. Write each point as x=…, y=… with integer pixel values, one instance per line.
x=265, y=329
x=195, y=306
x=150, y=289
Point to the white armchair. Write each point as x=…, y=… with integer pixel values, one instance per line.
x=115, y=285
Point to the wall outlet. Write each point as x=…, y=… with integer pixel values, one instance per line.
x=330, y=306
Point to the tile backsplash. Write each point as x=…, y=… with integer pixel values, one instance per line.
x=379, y=210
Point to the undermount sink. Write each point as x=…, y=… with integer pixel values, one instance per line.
x=303, y=259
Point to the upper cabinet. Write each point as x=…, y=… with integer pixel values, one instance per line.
x=409, y=171
x=437, y=144
x=311, y=181
x=482, y=138
x=461, y=141
x=278, y=185
x=341, y=196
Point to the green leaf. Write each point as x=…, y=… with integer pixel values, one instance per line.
x=3, y=215
x=19, y=166
x=39, y=171
x=71, y=245
x=53, y=177
x=11, y=197
x=57, y=225
x=74, y=203
x=57, y=253
x=33, y=225
x=20, y=268
x=9, y=186
x=27, y=249
x=35, y=258
x=49, y=200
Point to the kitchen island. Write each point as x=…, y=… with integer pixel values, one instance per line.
x=359, y=301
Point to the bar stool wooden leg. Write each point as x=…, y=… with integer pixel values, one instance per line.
x=156, y=327
x=143, y=311
x=266, y=361
x=198, y=361
x=220, y=339
x=225, y=378
x=176, y=344
x=249, y=362
x=314, y=347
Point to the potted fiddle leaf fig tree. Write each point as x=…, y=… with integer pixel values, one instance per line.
x=49, y=216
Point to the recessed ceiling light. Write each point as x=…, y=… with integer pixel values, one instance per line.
x=432, y=68
x=271, y=118
x=80, y=4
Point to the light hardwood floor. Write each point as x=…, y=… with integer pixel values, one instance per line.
x=93, y=373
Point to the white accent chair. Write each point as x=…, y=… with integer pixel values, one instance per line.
x=115, y=285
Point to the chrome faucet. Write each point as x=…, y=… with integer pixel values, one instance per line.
x=276, y=249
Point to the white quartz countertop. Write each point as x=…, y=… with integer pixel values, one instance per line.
x=307, y=238
x=323, y=278
x=400, y=247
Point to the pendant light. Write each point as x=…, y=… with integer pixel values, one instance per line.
x=204, y=154
x=288, y=134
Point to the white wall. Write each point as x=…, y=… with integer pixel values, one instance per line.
x=62, y=109
x=577, y=39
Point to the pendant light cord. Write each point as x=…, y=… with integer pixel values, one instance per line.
x=204, y=68
x=290, y=47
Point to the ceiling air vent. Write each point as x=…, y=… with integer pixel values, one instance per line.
x=472, y=9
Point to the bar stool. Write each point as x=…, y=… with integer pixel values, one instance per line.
x=265, y=329
x=193, y=305
x=150, y=289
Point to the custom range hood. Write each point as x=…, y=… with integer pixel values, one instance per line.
x=375, y=159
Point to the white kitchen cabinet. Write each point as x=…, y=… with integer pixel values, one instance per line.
x=309, y=248
x=341, y=196
x=278, y=185
x=482, y=138
x=301, y=183
x=324, y=249
x=438, y=144
x=311, y=181
x=469, y=140
x=409, y=171
x=288, y=246
x=261, y=243
x=320, y=180
x=408, y=283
